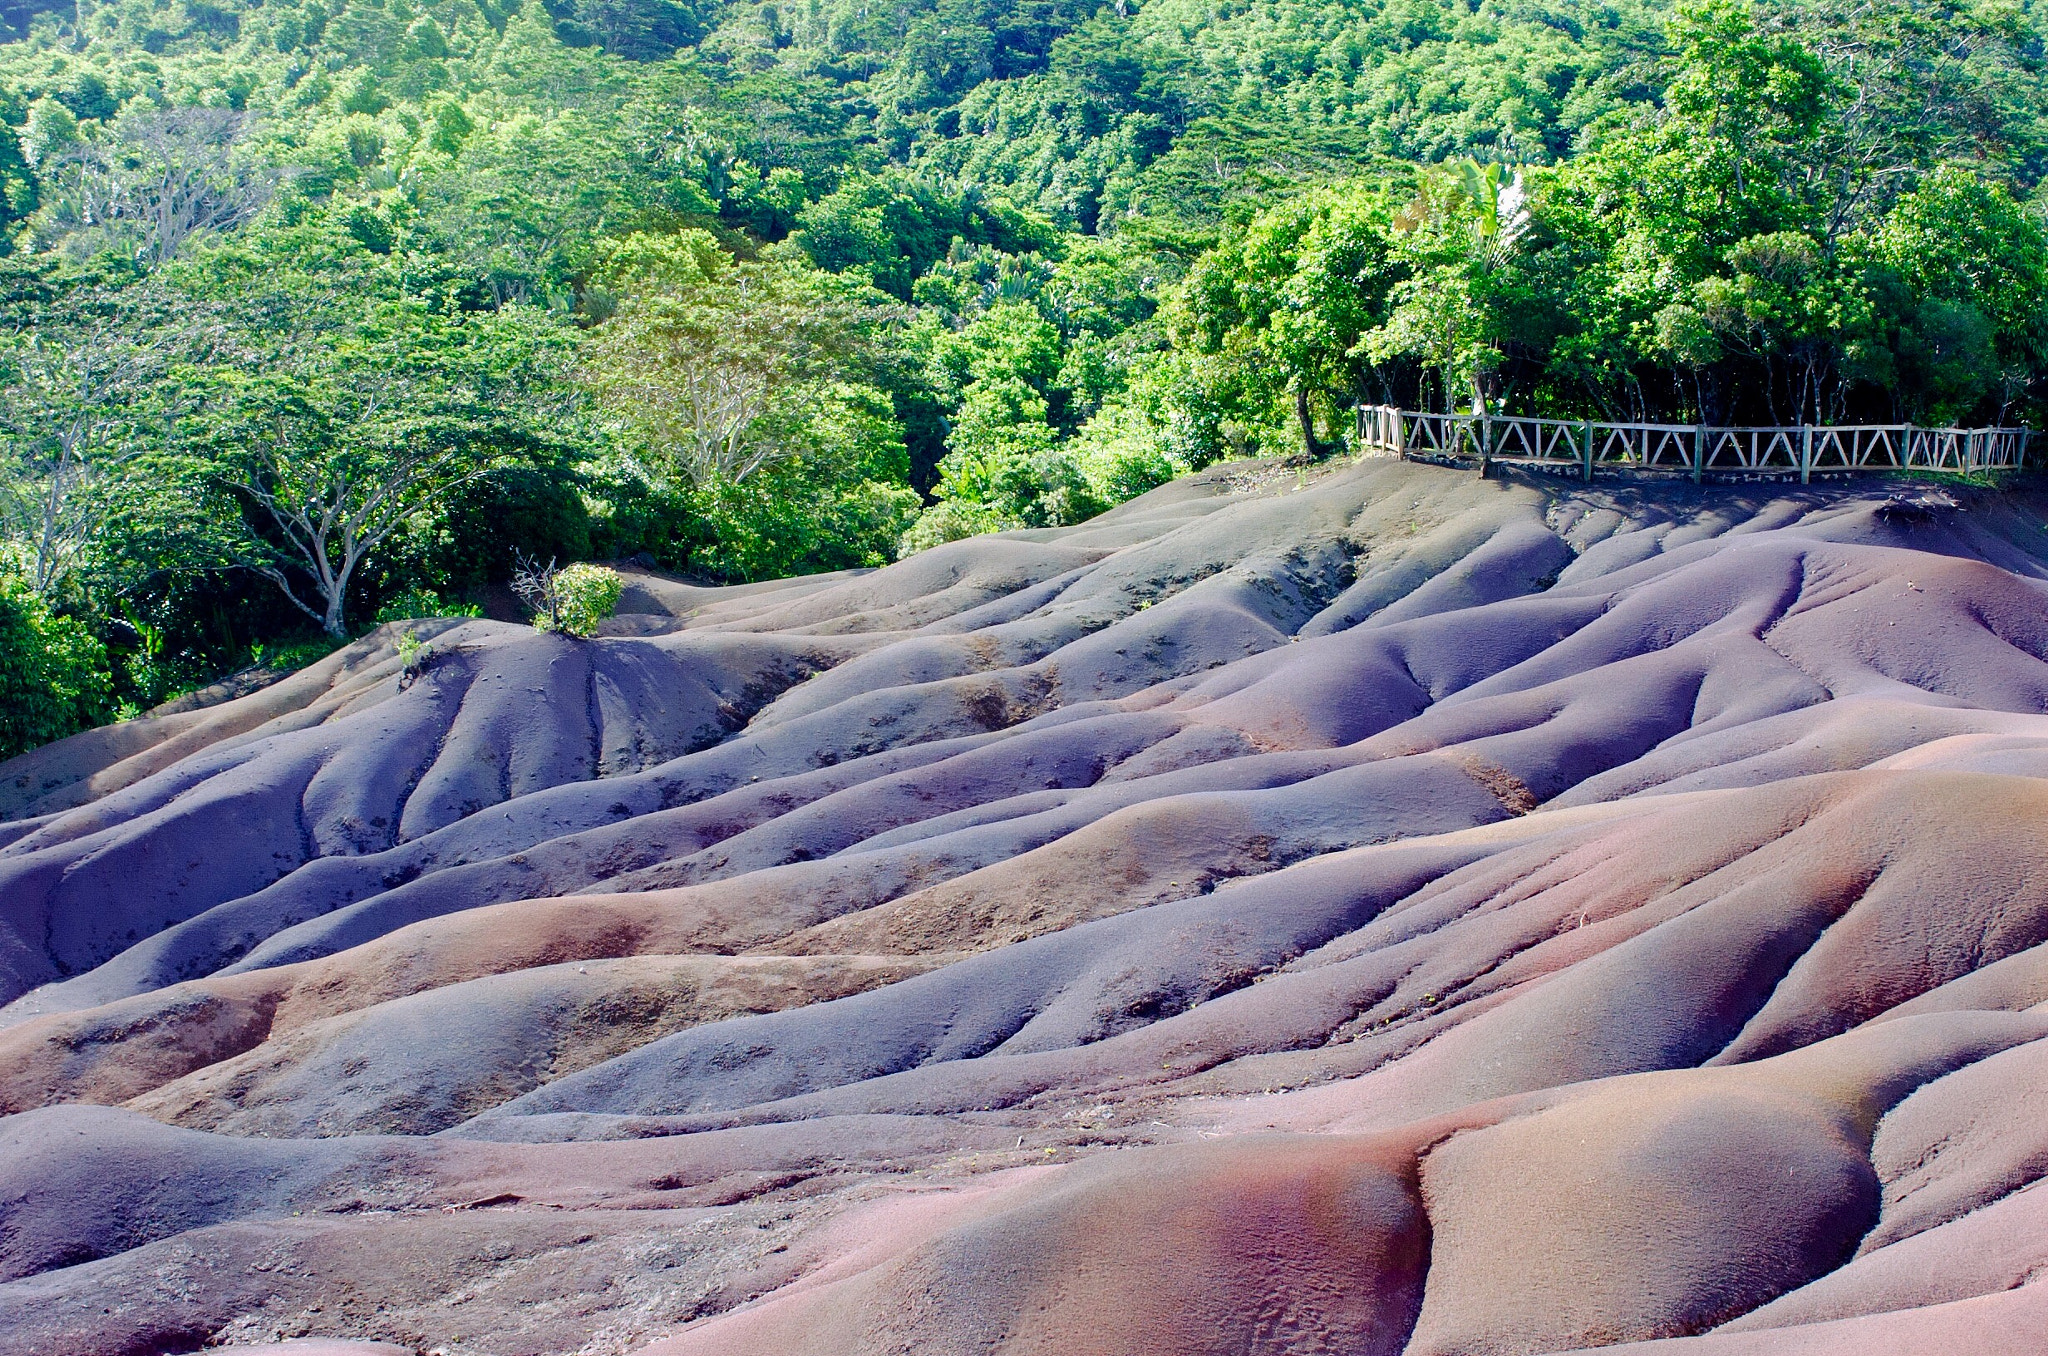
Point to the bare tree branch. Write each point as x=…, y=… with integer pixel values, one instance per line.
x=164, y=177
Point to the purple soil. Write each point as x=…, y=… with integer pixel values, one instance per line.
x=1377, y=912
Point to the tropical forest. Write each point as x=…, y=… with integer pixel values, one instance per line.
x=319, y=314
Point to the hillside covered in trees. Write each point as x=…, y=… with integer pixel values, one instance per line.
x=328, y=312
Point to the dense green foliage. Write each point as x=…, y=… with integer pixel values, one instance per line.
x=53, y=673
x=320, y=311
x=572, y=600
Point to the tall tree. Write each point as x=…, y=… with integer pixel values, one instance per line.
x=331, y=450
x=85, y=391
x=716, y=367
x=1282, y=306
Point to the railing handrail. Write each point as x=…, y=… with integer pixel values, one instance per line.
x=1757, y=449
x=1687, y=428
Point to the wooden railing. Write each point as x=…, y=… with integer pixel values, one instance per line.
x=1694, y=449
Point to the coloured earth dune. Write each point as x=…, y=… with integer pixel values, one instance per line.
x=1364, y=909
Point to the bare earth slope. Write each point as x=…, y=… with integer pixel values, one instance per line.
x=1369, y=910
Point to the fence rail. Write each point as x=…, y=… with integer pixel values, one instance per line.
x=1695, y=449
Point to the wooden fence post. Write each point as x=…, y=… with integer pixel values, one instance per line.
x=1699, y=452
x=1806, y=454
x=1589, y=451
x=1906, y=448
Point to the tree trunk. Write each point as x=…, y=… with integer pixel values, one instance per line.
x=333, y=584
x=1308, y=423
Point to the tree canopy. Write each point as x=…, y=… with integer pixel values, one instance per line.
x=311, y=309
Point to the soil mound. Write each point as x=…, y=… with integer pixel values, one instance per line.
x=1367, y=910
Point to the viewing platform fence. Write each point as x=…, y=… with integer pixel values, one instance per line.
x=1691, y=449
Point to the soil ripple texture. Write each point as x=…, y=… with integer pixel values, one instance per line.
x=1366, y=910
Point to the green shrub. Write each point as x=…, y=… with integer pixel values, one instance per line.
x=154, y=679
x=152, y=674
x=570, y=599
x=953, y=520
x=838, y=503
x=589, y=594
x=54, y=674
x=418, y=604
x=412, y=658
x=288, y=656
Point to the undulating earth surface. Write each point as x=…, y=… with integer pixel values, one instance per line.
x=1362, y=909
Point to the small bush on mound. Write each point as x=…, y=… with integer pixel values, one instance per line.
x=585, y=596
x=53, y=673
x=422, y=604
x=412, y=658
x=570, y=599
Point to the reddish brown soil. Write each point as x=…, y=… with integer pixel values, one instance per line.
x=1387, y=913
